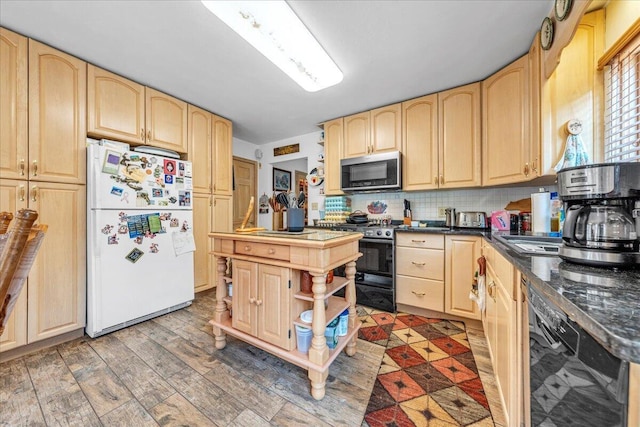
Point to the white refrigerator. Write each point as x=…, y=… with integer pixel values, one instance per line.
x=139, y=235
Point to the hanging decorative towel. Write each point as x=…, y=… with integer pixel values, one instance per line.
x=575, y=153
x=477, y=293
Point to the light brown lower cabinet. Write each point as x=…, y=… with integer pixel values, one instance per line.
x=504, y=336
x=53, y=301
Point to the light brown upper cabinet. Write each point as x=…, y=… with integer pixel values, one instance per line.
x=356, y=135
x=459, y=136
x=13, y=105
x=127, y=111
x=375, y=131
x=200, y=149
x=420, y=143
x=116, y=107
x=222, y=156
x=506, y=124
x=333, y=134
x=57, y=111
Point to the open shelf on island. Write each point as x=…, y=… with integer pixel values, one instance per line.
x=336, y=306
x=333, y=287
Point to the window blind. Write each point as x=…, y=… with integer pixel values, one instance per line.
x=622, y=113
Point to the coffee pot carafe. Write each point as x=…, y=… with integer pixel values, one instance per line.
x=600, y=226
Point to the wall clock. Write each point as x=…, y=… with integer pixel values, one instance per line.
x=546, y=33
x=562, y=9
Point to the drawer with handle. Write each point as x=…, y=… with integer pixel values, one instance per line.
x=263, y=250
x=422, y=263
x=420, y=240
x=423, y=293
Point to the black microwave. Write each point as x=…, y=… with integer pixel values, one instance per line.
x=376, y=172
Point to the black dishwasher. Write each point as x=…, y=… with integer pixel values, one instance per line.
x=574, y=380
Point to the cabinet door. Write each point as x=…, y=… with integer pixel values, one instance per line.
x=57, y=281
x=420, y=143
x=166, y=121
x=13, y=105
x=245, y=292
x=222, y=213
x=200, y=149
x=356, y=135
x=505, y=352
x=57, y=116
x=274, y=305
x=204, y=274
x=333, y=134
x=490, y=314
x=115, y=106
x=386, y=125
x=13, y=197
x=459, y=119
x=222, y=156
x=535, y=95
x=505, y=125
x=461, y=255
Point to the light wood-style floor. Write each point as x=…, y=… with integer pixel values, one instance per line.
x=167, y=372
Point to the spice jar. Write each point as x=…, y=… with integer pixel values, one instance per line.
x=330, y=277
x=306, y=282
x=525, y=222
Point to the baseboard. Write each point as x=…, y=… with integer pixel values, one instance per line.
x=14, y=353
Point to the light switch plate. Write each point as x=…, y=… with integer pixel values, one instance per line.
x=314, y=206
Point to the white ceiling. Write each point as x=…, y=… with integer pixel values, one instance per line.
x=389, y=51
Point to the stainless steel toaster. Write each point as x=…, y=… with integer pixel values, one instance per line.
x=471, y=220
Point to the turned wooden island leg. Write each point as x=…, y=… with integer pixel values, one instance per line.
x=221, y=313
x=350, y=294
x=318, y=352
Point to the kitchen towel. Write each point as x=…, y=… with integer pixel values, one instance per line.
x=541, y=212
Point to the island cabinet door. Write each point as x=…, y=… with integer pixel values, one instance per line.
x=245, y=290
x=274, y=302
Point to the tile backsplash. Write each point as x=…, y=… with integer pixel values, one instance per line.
x=424, y=205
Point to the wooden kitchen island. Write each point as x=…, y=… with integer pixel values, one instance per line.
x=266, y=300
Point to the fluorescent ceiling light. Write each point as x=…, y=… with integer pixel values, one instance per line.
x=276, y=32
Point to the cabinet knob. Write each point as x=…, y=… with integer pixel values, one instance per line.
x=534, y=166
x=417, y=241
x=247, y=248
x=142, y=134
x=436, y=179
x=272, y=251
x=35, y=168
x=417, y=263
x=420, y=294
x=22, y=193
x=526, y=169
x=34, y=193
x=148, y=135
x=21, y=167
x=252, y=300
x=441, y=179
x=259, y=302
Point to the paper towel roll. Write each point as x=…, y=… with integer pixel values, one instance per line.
x=541, y=212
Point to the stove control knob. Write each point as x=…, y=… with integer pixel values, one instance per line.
x=388, y=233
x=379, y=232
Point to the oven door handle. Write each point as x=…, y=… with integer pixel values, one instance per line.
x=382, y=241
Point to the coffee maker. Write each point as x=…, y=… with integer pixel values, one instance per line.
x=602, y=214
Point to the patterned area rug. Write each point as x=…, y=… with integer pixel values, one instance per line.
x=428, y=376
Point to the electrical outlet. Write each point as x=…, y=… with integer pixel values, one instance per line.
x=314, y=206
x=442, y=212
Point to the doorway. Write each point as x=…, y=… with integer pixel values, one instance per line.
x=245, y=173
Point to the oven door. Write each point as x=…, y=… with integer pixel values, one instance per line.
x=377, y=257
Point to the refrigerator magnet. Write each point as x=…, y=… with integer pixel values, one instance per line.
x=138, y=240
x=111, y=162
x=185, y=198
x=157, y=192
x=116, y=191
x=107, y=229
x=174, y=222
x=169, y=167
x=123, y=229
x=168, y=179
x=180, y=169
x=134, y=255
x=154, y=248
x=112, y=240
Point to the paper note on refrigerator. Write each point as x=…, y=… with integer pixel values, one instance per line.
x=183, y=242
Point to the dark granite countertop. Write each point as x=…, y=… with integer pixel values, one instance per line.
x=605, y=302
